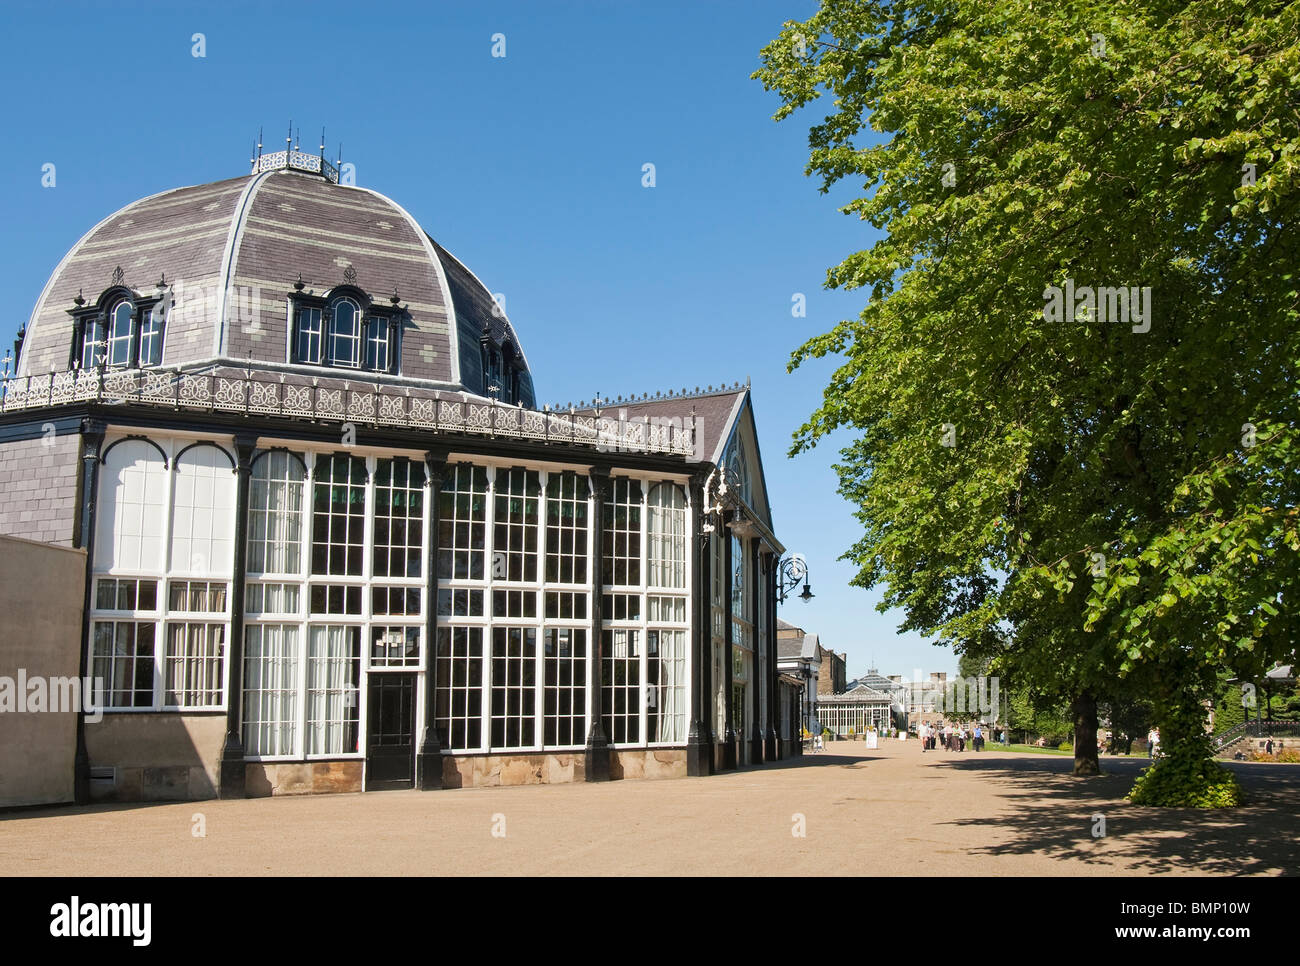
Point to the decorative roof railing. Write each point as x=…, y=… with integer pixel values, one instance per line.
x=256, y=393
x=298, y=161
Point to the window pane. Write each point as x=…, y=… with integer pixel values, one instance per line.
x=338, y=522
x=119, y=337
x=275, y=514
x=309, y=335
x=270, y=689
x=399, y=519
x=193, y=665
x=151, y=336
x=345, y=334
x=333, y=675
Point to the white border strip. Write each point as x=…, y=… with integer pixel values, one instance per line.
x=231, y=255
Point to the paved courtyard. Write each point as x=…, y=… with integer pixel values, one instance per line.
x=892, y=811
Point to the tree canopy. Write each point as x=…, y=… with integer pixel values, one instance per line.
x=1072, y=386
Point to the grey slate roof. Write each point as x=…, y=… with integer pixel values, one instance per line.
x=232, y=251
x=714, y=413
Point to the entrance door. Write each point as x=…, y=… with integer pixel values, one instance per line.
x=390, y=735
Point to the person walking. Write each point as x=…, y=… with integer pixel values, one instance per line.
x=979, y=738
x=1268, y=747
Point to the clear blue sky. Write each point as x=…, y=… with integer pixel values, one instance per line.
x=527, y=167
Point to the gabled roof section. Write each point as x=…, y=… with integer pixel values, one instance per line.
x=725, y=426
x=713, y=411
x=740, y=445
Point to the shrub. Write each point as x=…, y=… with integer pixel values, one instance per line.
x=1289, y=755
x=1064, y=746
x=1261, y=756
x=1186, y=783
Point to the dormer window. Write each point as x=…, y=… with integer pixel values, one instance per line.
x=502, y=368
x=120, y=330
x=344, y=330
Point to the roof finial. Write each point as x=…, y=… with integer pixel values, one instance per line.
x=288, y=140
x=322, y=142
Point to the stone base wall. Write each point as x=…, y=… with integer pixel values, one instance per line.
x=652, y=763
x=473, y=771
x=181, y=781
x=156, y=757
x=303, y=778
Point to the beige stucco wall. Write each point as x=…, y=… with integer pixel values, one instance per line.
x=40, y=627
x=158, y=756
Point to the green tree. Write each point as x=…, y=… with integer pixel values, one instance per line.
x=1079, y=493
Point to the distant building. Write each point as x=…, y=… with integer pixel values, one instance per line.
x=864, y=702
x=821, y=670
x=798, y=658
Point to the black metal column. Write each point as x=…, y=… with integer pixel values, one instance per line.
x=429, y=760
x=758, y=677
x=729, y=656
x=699, y=743
x=92, y=443
x=231, y=769
x=773, y=673
x=596, y=759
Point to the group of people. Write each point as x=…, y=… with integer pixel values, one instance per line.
x=950, y=738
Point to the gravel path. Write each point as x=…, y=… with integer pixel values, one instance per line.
x=891, y=811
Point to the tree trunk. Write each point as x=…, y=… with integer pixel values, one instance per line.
x=1085, y=735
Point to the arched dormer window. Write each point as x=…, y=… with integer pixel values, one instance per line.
x=121, y=330
x=344, y=329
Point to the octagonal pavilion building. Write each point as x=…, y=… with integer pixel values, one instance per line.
x=333, y=543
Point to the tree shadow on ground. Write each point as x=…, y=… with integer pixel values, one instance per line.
x=1050, y=812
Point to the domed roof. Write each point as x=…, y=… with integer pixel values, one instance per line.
x=232, y=253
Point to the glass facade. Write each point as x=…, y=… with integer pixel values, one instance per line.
x=335, y=592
